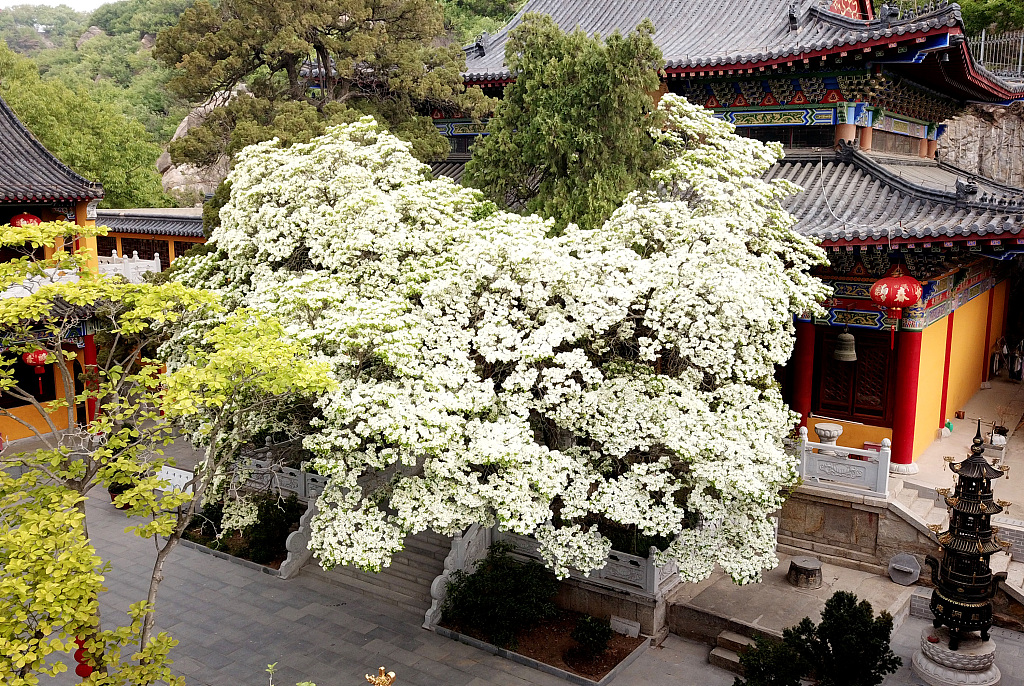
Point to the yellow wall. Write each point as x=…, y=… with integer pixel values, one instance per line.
x=929, y=384
x=968, y=352
x=81, y=210
x=854, y=435
x=11, y=430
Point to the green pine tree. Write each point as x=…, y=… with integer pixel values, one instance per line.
x=571, y=137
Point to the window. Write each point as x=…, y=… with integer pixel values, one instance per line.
x=147, y=247
x=461, y=147
x=894, y=143
x=28, y=381
x=860, y=391
x=792, y=136
x=182, y=247
x=105, y=245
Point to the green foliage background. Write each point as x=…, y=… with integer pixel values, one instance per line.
x=91, y=136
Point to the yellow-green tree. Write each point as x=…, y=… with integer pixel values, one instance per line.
x=241, y=366
x=50, y=577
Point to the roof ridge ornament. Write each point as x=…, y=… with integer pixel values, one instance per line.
x=794, y=24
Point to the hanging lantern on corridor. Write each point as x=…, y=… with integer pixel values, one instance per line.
x=37, y=358
x=25, y=219
x=896, y=291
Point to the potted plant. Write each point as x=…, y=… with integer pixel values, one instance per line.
x=121, y=482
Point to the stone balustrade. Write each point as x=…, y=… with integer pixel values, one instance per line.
x=827, y=465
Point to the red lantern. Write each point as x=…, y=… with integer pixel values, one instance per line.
x=896, y=291
x=25, y=219
x=84, y=669
x=37, y=358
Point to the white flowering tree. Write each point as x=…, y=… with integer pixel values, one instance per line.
x=490, y=374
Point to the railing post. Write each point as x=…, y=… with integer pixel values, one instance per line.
x=651, y=582
x=884, y=456
x=1020, y=56
x=981, y=57
x=803, y=451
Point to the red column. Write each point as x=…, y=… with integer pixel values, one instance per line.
x=986, y=357
x=90, y=371
x=908, y=367
x=803, y=370
x=945, y=367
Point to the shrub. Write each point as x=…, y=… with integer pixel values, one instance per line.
x=850, y=647
x=266, y=538
x=592, y=635
x=771, y=663
x=501, y=597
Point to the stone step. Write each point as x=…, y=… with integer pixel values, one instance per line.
x=417, y=604
x=386, y=579
x=414, y=558
x=895, y=487
x=1015, y=574
x=737, y=643
x=405, y=582
x=922, y=507
x=843, y=560
x=907, y=496
x=937, y=515
x=430, y=546
x=999, y=562
x=725, y=659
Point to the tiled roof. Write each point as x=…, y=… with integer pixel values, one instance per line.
x=706, y=33
x=30, y=173
x=453, y=170
x=159, y=221
x=849, y=196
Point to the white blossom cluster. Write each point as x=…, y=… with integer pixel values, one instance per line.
x=491, y=374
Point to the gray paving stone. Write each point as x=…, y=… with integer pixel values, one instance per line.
x=232, y=621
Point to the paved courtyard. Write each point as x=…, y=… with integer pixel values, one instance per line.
x=232, y=621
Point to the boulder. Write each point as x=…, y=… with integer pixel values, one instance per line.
x=90, y=33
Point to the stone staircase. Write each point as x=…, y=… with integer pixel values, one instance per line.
x=406, y=583
x=926, y=506
x=726, y=653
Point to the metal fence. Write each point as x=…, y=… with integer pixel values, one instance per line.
x=1001, y=53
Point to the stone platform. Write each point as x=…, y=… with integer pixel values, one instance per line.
x=972, y=664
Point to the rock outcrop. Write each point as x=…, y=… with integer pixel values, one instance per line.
x=987, y=140
x=186, y=180
x=90, y=33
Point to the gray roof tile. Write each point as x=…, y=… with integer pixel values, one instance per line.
x=849, y=196
x=707, y=33
x=852, y=197
x=31, y=173
x=163, y=222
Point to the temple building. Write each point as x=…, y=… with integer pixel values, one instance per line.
x=858, y=102
x=157, y=233
x=35, y=185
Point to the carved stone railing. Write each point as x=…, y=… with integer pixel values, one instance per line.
x=467, y=548
x=623, y=572
x=131, y=268
x=264, y=474
x=845, y=469
x=297, y=544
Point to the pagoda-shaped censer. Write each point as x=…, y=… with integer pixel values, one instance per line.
x=964, y=583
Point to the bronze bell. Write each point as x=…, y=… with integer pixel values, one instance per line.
x=846, y=350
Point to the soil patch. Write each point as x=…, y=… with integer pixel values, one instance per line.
x=235, y=544
x=551, y=642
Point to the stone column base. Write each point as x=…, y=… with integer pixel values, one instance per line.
x=971, y=665
x=896, y=468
